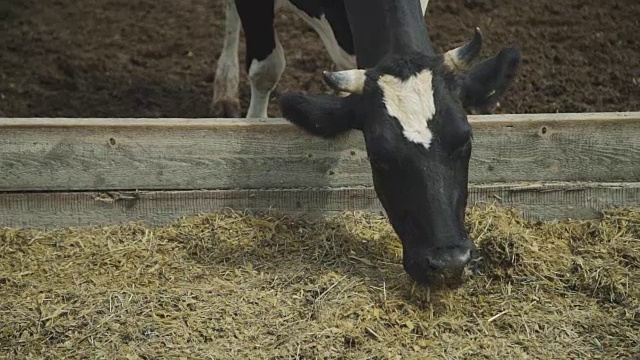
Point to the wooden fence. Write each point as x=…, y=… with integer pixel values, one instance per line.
x=71, y=172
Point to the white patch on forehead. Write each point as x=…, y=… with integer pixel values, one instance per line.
x=411, y=102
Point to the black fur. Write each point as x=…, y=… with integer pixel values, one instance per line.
x=424, y=191
x=334, y=12
x=321, y=115
x=486, y=82
x=257, y=24
x=257, y=19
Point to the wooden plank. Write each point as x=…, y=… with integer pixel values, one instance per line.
x=41, y=122
x=62, y=154
x=560, y=147
x=537, y=201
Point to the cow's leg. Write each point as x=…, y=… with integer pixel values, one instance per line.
x=225, y=101
x=329, y=20
x=265, y=60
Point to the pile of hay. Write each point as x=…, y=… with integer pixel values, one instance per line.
x=225, y=286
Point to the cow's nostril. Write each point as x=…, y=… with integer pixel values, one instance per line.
x=450, y=260
x=436, y=265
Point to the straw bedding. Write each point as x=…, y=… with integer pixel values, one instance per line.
x=263, y=286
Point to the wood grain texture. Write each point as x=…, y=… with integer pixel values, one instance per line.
x=62, y=154
x=559, y=147
x=537, y=201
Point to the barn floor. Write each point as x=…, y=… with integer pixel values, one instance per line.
x=227, y=286
x=156, y=58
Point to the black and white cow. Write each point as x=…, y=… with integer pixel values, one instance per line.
x=265, y=61
x=411, y=105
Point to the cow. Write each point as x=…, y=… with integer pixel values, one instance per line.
x=265, y=61
x=411, y=104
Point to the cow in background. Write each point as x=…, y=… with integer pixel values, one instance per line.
x=265, y=61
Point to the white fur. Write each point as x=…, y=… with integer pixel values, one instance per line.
x=225, y=84
x=412, y=103
x=322, y=27
x=264, y=76
x=424, y=4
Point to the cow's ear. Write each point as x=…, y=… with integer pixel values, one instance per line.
x=320, y=115
x=484, y=84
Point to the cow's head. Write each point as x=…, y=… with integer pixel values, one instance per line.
x=412, y=109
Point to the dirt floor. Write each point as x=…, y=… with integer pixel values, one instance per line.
x=156, y=58
x=231, y=286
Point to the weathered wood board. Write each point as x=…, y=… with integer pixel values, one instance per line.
x=189, y=154
x=75, y=172
x=50, y=210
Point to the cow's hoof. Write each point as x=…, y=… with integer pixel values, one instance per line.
x=226, y=108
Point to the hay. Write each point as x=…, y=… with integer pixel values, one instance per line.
x=225, y=286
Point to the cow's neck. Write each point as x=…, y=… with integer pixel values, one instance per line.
x=377, y=24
